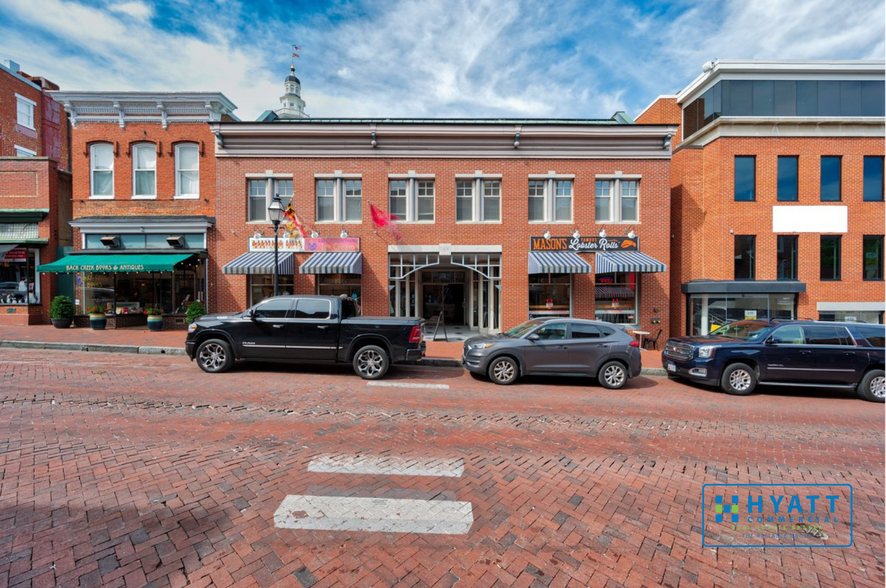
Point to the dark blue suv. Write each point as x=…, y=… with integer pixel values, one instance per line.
x=738, y=356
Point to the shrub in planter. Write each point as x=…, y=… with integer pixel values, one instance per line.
x=155, y=319
x=195, y=311
x=61, y=312
x=97, y=319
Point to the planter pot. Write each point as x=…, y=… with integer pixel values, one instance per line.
x=155, y=323
x=61, y=323
x=98, y=321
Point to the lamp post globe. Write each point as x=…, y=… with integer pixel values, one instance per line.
x=275, y=215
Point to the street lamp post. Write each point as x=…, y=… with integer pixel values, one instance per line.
x=275, y=214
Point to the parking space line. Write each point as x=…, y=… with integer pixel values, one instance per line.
x=389, y=515
x=405, y=385
x=390, y=466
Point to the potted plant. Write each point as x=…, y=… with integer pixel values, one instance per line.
x=61, y=312
x=155, y=318
x=195, y=311
x=97, y=319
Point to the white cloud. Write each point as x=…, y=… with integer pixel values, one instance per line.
x=138, y=10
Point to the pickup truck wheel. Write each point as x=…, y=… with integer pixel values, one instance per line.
x=214, y=356
x=738, y=379
x=612, y=375
x=503, y=371
x=873, y=386
x=371, y=362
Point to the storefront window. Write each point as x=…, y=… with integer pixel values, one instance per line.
x=18, y=283
x=710, y=312
x=852, y=316
x=615, y=298
x=338, y=284
x=261, y=286
x=133, y=292
x=550, y=295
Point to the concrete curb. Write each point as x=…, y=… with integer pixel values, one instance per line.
x=94, y=347
x=148, y=350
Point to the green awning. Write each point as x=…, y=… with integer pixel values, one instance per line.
x=120, y=262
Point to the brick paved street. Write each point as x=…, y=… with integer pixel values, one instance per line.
x=135, y=470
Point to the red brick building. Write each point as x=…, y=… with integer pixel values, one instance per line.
x=35, y=193
x=777, y=192
x=143, y=201
x=499, y=220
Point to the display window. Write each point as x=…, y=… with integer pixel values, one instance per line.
x=341, y=284
x=18, y=280
x=550, y=295
x=615, y=298
x=261, y=286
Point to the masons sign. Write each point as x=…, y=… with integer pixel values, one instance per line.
x=583, y=244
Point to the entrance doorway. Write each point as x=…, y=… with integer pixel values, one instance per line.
x=466, y=291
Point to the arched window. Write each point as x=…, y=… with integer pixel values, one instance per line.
x=187, y=170
x=144, y=171
x=101, y=165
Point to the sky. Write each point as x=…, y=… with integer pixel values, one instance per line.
x=433, y=58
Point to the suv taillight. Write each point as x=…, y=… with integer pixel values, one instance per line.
x=415, y=335
x=634, y=344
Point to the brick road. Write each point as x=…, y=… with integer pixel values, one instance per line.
x=123, y=470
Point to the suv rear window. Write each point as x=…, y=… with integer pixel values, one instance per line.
x=876, y=336
x=590, y=332
x=821, y=335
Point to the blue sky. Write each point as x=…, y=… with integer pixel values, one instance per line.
x=412, y=58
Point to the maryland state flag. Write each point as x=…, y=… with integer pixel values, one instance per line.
x=293, y=222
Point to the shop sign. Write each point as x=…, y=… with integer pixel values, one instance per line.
x=314, y=244
x=19, y=255
x=284, y=244
x=750, y=315
x=105, y=267
x=584, y=244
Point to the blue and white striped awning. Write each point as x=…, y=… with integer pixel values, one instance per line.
x=557, y=262
x=333, y=262
x=627, y=261
x=260, y=262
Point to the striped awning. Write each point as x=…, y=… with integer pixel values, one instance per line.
x=260, y=262
x=627, y=261
x=333, y=262
x=557, y=262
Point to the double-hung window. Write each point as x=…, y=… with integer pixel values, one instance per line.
x=24, y=112
x=261, y=191
x=101, y=166
x=550, y=198
x=478, y=199
x=617, y=199
x=144, y=171
x=24, y=152
x=187, y=170
x=411, y=198
x=339, y=198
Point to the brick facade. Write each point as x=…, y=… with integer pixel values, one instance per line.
x=512, y=234
x=705, y=216
x=34, y=189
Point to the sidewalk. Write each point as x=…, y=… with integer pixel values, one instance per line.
x=141, y=340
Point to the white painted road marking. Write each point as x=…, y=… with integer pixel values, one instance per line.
x=389, y=515
x=390, y=466
x=405, y=385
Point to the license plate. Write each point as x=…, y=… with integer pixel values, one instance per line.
x=672, y=367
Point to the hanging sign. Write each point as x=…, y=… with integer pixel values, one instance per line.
x=284, y=244
x=584, y=244
x=19, y=255
x=313, y=244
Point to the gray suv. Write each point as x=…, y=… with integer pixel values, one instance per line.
x=555, y=346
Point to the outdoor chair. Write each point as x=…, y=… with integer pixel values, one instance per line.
x=652, y=342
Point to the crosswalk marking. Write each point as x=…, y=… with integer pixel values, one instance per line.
x=387, y=465
x=409, y=385
x=389, y=515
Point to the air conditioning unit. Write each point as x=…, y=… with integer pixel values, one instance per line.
x=110, y=241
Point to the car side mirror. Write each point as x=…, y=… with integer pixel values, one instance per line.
x=533, y=337
x=250, y=314
x=770, y=341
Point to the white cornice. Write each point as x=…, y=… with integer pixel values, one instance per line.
x=160, y=107
x=776, y=127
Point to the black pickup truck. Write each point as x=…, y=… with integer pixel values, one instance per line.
x=311, y=329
